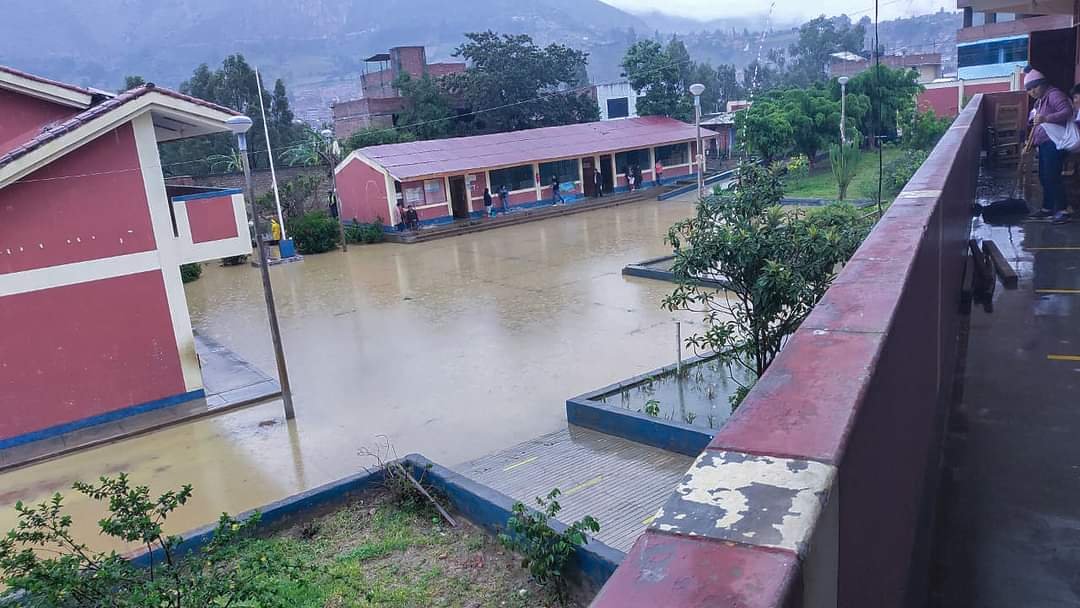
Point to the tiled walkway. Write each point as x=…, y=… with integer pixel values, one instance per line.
x=1010, y=533
x=619, y=482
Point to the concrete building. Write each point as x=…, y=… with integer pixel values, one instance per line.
x=928, y=65
x=380, y=101
x=723, y=124
x=616, y=100
x=92, y=310
x=444, y=179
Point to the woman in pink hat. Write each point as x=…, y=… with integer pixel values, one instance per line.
x=1051, y=106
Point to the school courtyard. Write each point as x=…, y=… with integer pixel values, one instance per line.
x=454, y=348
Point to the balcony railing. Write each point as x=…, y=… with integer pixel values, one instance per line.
x=818, y=491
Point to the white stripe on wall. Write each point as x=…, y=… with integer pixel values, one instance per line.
x=77, y=272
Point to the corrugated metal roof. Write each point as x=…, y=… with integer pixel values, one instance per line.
x=464, y=154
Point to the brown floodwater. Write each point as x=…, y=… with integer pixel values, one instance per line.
x=452, y=348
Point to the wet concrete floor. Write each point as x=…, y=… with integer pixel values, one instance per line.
x=453, y=348
x=1010, y=529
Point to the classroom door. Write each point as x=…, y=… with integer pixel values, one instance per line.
x=587, y=179
x=607, y=173
x=459, y=197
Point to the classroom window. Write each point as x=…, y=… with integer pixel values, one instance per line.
x=567, y=170
x=675, y=154
x=618, y=107
x=624, y=160
x=514, y=178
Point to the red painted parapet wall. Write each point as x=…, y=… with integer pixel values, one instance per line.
x=211, y=218
x=818, y=491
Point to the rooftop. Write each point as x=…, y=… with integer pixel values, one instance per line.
x=463, y=154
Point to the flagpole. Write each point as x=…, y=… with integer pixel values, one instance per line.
x=270, y=154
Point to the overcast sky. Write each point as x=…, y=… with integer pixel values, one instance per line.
x=784, y=10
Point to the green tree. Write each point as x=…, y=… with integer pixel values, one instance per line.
x=427, y=111
x=923, y=130
x=761, y=76
x=844, y=161
x=130, y=82
x=375, y=136
x=519, y=85
x=814, y=117
x=728, y=85
x=764, y=130
x=776, y=265
x=819, y=38
x=893, y=91
x=653, y=72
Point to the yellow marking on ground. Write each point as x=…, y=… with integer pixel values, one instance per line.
x=1052, y=248
x=518, y=464
x=648, y=520
x=1063, y=357
x=588, y=484
x=1063, y=291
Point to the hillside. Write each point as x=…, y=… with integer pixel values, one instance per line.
x=317, y=45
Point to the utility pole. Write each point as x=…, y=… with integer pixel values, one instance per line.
x=239, y=125
x=696, y=90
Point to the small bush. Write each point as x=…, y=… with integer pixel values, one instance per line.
x=546, y=552
x=365, y=233
x=314, y=232
x=190, y=272
x=925, y=130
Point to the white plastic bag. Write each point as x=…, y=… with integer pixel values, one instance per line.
x=1065, y=137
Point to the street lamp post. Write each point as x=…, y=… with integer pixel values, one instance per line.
x=696, y=90
x=239, y=125
x=332, y=153
x=843, y=80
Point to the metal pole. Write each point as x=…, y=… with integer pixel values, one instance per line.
x=678, y=348
x=700, y=153
x=270, y=155
x=843, y=112
x=268, y=290
x=332, y=154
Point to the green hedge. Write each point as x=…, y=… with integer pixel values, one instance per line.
x=314, y=232
x=190, y=272
x=365, y=233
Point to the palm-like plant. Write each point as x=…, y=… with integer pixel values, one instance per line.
x=845, y=161
x=226, y=163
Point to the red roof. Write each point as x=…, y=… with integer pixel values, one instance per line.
x=57, y=129
x=464, y=154
x=22, y=74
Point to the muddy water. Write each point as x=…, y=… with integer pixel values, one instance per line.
x=452, y=348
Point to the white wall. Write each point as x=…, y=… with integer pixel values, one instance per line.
x=605, y=92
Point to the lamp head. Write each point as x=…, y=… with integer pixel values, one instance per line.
x=697, y=89
x=843, y=80
x=327, y=133
x=238, y=124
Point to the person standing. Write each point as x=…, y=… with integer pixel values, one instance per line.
x=556, y=194
x=401, y=217
x=489, y=206
x=1051, y=107
x=504, y=196
x=658, y=171
x=598, y=183
x=631, y=177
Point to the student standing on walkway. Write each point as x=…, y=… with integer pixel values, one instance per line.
x=556, y=194
x=1051, y=107
x=598, y=183
x=658, y=171
x=504, y=196
x=489, y=206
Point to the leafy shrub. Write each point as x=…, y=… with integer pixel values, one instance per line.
x=297, y=196
x=42, y=558
x=314, y=232
x=895, y=174
x=190, y=272
x=925, y=130
x=546, y=552
x=365, y=233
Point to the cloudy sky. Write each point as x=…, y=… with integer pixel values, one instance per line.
x=785, y=10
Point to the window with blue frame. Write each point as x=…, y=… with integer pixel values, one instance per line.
x=618, y=107
x=514, y=178
x=675, y=154
x=991, y=52
x=567, y=170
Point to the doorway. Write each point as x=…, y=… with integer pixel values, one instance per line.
x=459, y=197
x=607, y=175
x=588, y=185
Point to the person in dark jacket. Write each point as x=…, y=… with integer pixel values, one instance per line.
x=556, y=194
x=489, y=206
x=504, y=197
x=598, y=183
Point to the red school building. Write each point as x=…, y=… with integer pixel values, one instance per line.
x=93, y=315
x=444, y=179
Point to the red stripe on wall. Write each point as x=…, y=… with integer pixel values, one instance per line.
x=91, y=205
x=82, y=350
x=211, y=219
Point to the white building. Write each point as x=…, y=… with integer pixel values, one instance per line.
x=617, y=100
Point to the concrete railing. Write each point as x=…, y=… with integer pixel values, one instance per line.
x=819, y=490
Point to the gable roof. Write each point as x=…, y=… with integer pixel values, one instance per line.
x=48, y=89
x=411, y=160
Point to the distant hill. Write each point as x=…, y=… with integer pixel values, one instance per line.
x=317, y=45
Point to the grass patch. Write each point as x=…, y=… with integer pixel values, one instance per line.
x=820, y=182
x=375, y=553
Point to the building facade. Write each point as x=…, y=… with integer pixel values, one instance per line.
x=92, y=308
x=616, y=100
x=928, y=65
x=445, y=179
x=380, y=101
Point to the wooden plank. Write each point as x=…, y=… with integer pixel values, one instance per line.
x=1005, y=271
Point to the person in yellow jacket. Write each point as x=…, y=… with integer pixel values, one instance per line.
x=275, y=234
